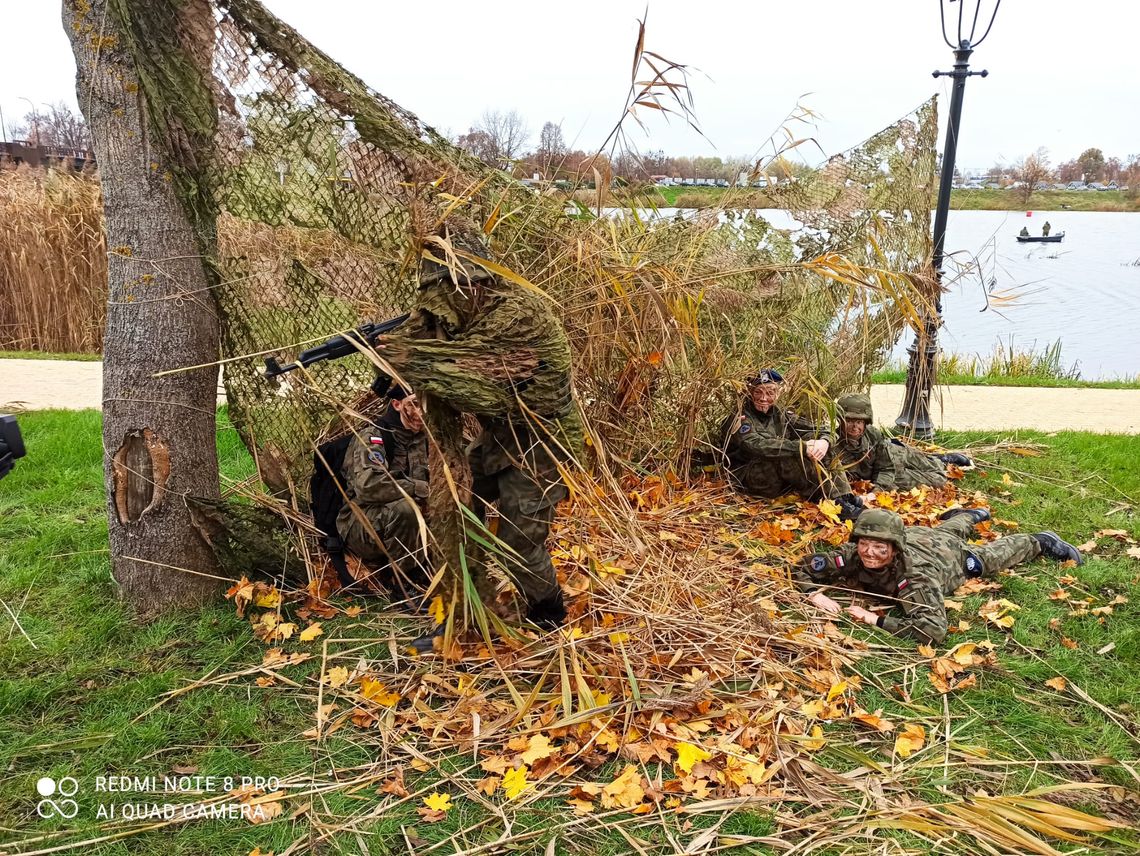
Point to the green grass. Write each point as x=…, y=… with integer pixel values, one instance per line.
x=965, y=200
x=75, y=704
x=44, y=355
x=899, y=376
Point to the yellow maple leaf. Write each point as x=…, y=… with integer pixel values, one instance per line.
x=268, y=599
x=689, y=754
x=514, y=782
x=618, y=638
x=285, y=631
x=830, y=510
x=837, y=688
x=885, y=500
x=436, y=609
x=812, y=708
x=625, y=791
x=438, y=801
x=1058, y=683
x=816, y=742
x=537, y=748
x=337, y=676
x=910, y=740
x=375, y=690
x=311, y=632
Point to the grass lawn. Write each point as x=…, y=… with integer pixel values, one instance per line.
x=899, y=376
x=45, y=355
x=79, y=681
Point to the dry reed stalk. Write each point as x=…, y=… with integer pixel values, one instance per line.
x=53, y=269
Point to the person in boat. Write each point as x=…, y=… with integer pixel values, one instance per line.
x=1024, y=232
x=889, y=464
x=1045, y=229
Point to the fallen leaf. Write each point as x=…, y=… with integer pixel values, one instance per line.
x=537, y=747
x=1058, y=683
x=688, y=754
x=337, y=676
x=354, y=611
x=438, y=802
x=265, y=681
x=910, y=740
x=514, y=782
x=1059, y=594
x=1088, y=546
x=625, y=791
x=436, y=609
x=830, y=510
x=311, y=632
x=1134, y=552
x=376, y=691
x=874, y=720
x=1111, y=646
x=816, y=741
x=1069, y=643
x=926, y=651
x=488, y=785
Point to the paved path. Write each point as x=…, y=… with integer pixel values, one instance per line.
x=39, y=384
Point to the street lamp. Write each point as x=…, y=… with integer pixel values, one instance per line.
x=915, y=414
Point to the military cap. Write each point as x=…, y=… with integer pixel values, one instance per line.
x=764, y=376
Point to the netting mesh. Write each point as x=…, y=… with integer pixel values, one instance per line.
x=323, y=187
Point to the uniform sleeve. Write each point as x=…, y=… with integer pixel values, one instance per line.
x=820, y=569
x=883, y=467
x=755, y=444
x=924, y=611
x=368, y=477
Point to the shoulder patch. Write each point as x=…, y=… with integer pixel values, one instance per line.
x=839, y=561
x=818, y=562
x=745, y=428
x=903, y=584
x=376, y=456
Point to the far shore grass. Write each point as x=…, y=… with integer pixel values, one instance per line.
x=963, y=200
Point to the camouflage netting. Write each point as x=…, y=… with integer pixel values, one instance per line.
x=323, y=189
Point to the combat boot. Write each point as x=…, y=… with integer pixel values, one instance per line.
x=1055, y=547
x=850, y=506
x=978, y=515
x=548, y=613
x=957, y=459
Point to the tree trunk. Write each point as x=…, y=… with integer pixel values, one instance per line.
x=158, y=433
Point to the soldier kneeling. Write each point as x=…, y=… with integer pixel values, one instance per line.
x=918, y=566
x=867, y=454
x=385, y=474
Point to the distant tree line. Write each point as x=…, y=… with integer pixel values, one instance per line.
x=56, y=125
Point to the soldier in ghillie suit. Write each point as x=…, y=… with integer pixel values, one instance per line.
x=867, y=454
x=495, y=349
x=918, y=566
x=385, y=474
x=772, y=452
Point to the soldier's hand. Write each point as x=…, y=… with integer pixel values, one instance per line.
x=816, y=449
x=825, y=603
x=860, y=614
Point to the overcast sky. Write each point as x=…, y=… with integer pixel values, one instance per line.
x=1062, y=75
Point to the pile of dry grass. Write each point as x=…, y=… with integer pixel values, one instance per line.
x=53, y=261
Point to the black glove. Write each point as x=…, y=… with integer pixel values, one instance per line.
x=850, y=506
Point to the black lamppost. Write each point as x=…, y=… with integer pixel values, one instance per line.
x=915, y=415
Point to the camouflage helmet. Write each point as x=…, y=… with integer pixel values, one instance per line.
x=882, y=525
x=856, y=405
x=440, y=263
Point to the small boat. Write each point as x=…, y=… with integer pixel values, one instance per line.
x=1041, y=239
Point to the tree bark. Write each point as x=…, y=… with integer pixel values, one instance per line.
x=158, y=432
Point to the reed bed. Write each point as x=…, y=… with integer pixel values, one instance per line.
x=53, y=261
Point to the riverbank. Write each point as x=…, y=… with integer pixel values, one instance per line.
x=962, y=200
x=78, y=385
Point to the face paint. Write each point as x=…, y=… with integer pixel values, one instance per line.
x=875, y=554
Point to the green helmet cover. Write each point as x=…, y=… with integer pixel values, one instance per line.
x=882, y=525
x=856, y=405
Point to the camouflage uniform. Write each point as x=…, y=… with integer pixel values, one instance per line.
x=499, y=351
x=766, y=455
x=929, y=564
x=875, y=458
x=386, y=477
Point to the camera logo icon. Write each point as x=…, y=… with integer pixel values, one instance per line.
x=49, y=806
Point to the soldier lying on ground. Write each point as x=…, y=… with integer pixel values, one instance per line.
x=918, y=566
x=496, y=349
x=867, y=454
x=772, y=452
x=385, y=473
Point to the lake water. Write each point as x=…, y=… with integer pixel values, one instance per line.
x=1084, y=291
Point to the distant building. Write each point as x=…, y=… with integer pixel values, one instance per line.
x=22, y=152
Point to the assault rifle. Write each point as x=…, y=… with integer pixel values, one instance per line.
x=336, y=347
x=11, y=444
